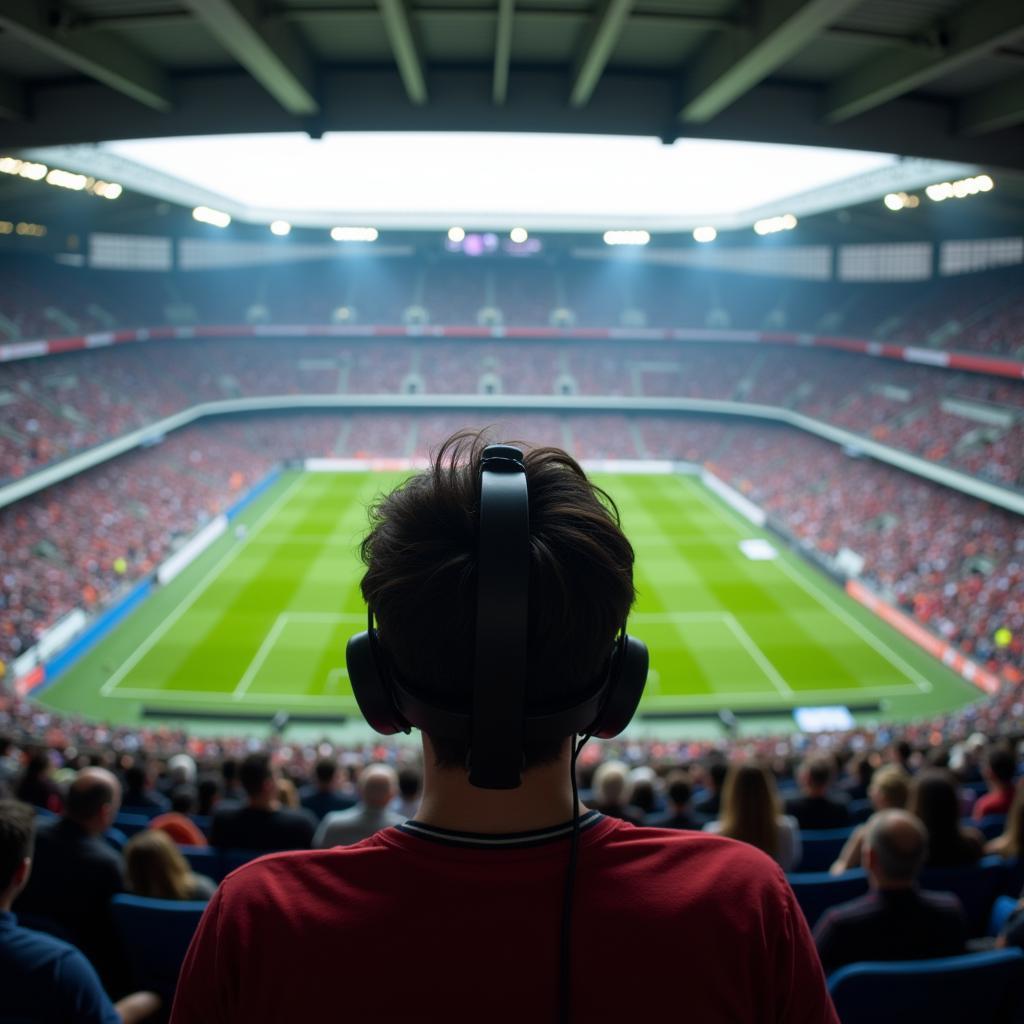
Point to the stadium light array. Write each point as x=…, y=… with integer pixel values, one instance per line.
x=771, y=225
x=626, y=237
x=901, y=201
x=354, y=234
x=519, y=235
x=218, y=218
x=456, y=235
x=280, y=228
x=23, y=168
x=59, y=178
x=28, y=230
x=704, y=234
x=959, y=189
x=6, y=227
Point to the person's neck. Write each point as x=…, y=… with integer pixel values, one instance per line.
x=887, y=885
x=543, y=800
x=264, y=804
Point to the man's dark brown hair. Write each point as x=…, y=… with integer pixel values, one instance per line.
x=17, y=834
x=421, y=581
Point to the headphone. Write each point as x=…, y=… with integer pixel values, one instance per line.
x=497, y=725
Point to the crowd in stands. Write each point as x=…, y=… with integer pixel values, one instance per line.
x=53, y=407
x=951, y=561
x=907, y=823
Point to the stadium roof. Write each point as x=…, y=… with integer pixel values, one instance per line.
x=941, y=79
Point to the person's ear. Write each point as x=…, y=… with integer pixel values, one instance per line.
x=21, y=873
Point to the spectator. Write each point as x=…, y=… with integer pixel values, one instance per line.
x=181, y=771
x=140, y=797
x=857, y=784
x=680, y=812
x=177, y=822
x=9, y=767
x=42, y=978
x=410, y=782
x=76, y=873
x=710, y=805
x=612, y=792
x=468, y=897
x=155, y=867
x=1011, y=843
x=261, y=824
x=752, y=813
x=324, y=796
x=378, y=785
x=814, y=808
x=933, y=798
x=889, y=791
x=208, y=795
x=998, y=771
x=896, y=920
x=36, y=785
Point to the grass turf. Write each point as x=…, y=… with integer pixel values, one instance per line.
x=259, y=623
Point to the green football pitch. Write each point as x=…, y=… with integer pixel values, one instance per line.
x=258, y=623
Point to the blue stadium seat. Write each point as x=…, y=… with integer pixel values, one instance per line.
x=129, y=823
x=155, y=935
x=976, y=888
x=1003, y=907
x=231, y=859
x=821, y=847
x=860, y=810
x=817, y=891
x=979, y=987
x=204, y=860
x=990, y=826
x=115, y=838
x=1013, y=877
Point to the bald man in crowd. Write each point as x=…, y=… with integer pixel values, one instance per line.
x=378, y=785
x=76, y=872
x=896, y=920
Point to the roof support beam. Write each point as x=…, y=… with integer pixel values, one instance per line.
x=739, y=58
x=12, y=99
x=96, y=54
x=601, y=38
x=503, y=49
x=1000, y=106
x=269, y=50
x=399, y=28
x=970, y=32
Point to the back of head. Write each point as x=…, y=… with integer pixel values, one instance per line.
x=155, y=867
x=750, y=807
x=817, y=773
x=410, y=781
x=678, y=788
x=255, y=772
x=1001, y=764
x=182, y=768
x=421, y=582
x=378, y=785
x=933, y=798
x=898, y=844
x=326, y=771
x=611, y=784
x=17, y=832
x=890, y=787
x=184, y=799
x=92, y=798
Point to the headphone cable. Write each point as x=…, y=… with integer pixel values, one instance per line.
x=565, y=968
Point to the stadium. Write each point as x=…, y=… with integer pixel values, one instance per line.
x=758, y=268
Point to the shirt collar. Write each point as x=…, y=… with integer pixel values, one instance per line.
x=500, y=840
x=7, y=921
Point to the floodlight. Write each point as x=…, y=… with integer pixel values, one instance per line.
x=280, y=228
x=456, y=234
x=704, y=234
x=218, y=218
x=66, y=179
x=354, y=234
x=626, y=237
x=894, y=201
x=519, y=235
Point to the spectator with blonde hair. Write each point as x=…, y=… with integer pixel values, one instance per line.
x=888, y=790
x=752, y=813
x=613, y=790
x=156, y=868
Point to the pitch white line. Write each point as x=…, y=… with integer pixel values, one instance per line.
x=758, y=655
x=224, y=698
x=194, y=594
x=718, y=616
x=259, y=657
x=879, y=645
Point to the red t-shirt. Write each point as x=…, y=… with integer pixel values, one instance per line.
x=421, y=923
x=993, y=803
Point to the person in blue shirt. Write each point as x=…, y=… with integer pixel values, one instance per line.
x=41, y=977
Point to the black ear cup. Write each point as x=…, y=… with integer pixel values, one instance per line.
x=627, y=677
x=369, y=684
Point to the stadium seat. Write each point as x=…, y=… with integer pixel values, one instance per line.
x=1003, y=907
x=232, y=859
x=976, y=888
x=817, y=891
x=990, y=826
x=155, y=935
x=979, y=987
x=860, y=810
x=204, y=860
x=115, y=838
x=821, y=847
x=129, y=823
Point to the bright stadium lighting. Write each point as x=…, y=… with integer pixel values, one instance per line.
x=107, y=189
x=985, y=183
x=961, y=189
x=23, y=168
x=66, y=179
x=788, y=222
x=626, y=237
x=218, y=218
x=704, y=234
x=519, y=235
x=456, y=235
x=280, y=228
x=770, y=225
x=354, y=234
x=893, y=201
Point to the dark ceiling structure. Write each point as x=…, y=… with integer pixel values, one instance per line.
x=933, y=78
